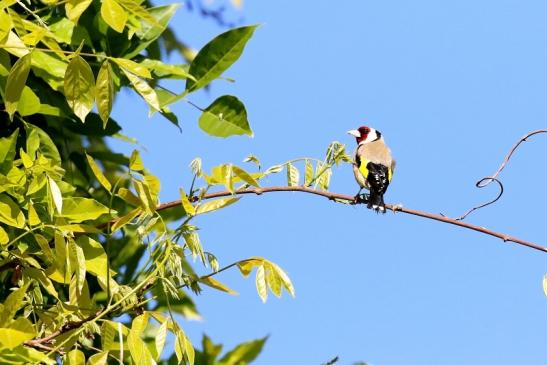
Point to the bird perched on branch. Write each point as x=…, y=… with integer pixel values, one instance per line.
x=373, y=166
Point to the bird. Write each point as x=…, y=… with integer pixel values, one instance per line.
x=373, y=166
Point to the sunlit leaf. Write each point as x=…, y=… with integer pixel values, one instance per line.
x=142, y=87
x=74, y=357
x=4, y=238
x=79, y=209
x=13, y=302
x=160, y=339
x=114, y=15
x=308, y=177
x=260, y=280
x=293, y=175
x=126, y=219
x=211, y=206
x=244, y=353
x=79, y=86
x=244, y=175
x=225, y=117
x=100, y=358
x=98, y=173
x=214, y=283
x=75, y=8
x=18, y=332
x=8, y=151
x=133, y=67
x=10, y=213
x=217, y=56
x=56, y=195
x=105, y=92
x=15, y=83
x=186, y=204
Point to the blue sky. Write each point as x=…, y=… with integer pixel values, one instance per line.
x=452, y=85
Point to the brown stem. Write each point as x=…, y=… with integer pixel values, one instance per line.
x=351, y=200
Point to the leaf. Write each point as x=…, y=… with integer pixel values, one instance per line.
x=186, y=204
x=75, y=8
x=225, y=117
x=129, y=197
x=142, y=87
x=217, y=56
x=246, y=266
x=160, y=338
x=95, y=256
x=79, y=209
x=134, y=8
x=108, y=332
x=5, y=24
x=114, y=15
x=308, y=177
x=77, y=263
x=324, y=179
x=273, y=280
x=56, y=195
x=125, y=219
x=12, y=304
x=253, y=159
x=214, y=283
x=244, y=175
x=286, y=282
x=98, y=173
x=41, y=278
x=10, y=213
x=293, y=176
x=260, y=281
x=105, y=92
x=74, y=357
x=15, y=83
x=29, y=103
x=244, y=353
x=18, y=332
x=215, y=205
x=138, y=350
x=4, y=238
x=33, y=218
x=79, y=87
x=7, y=151
x=135, y=162
x=133, y=67
x=162, y=70
x=100, y=358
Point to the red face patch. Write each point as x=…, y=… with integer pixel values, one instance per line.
x=364, y=131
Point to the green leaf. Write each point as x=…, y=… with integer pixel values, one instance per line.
x=260, y=281
x=126, y=219
x=100, y=358
x=129, y=197
x=29, y=103
x=273, y=280
x=105, y=92
x=134, y=8
x=214, y=283
x=162, y=70
x=56, y=195
x=75, y=8
x=45, y=143
x=244, y=175
x=186, y=204
x=108, y=332
x=98, y=173
x=135, y=162
x=244, y=353
x=308, y=177
x=79, y=209
x=138, y=350
x=135, y=68
x=142, y=87
x=5, y=24
x=17, y=79
x=33, y=218
x=95, y=256
x=18, y=332
x=13, y=302
x=285, y=281
x=79, y=87
x=4, y=238
x=293, y=175
x=160, y=338
x=217, y=56
x=41, y=278
x=10, y=213
x=114, y=15
x=7, y=151
x=253, y=159
x=77, y=263
x=225, y=117
x=74, y=357
x=215, y=205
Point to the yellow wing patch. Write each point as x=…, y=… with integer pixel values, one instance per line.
x=363, y=168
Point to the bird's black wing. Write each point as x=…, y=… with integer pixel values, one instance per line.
x=378, y=177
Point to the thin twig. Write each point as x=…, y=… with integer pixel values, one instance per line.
x=485, y=181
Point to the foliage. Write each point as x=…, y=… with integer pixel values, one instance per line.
x=93, y=267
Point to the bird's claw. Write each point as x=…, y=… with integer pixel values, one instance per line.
x=361, y=198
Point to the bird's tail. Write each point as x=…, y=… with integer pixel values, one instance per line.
x=376, y=202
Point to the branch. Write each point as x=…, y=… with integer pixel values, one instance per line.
x=488, y=179
x=336, y=197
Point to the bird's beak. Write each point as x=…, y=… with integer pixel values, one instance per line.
x=355, y=133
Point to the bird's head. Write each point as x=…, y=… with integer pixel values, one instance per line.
x=365, y=134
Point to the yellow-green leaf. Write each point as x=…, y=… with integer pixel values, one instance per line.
x=79, y=209
x=160, y=338
x=75, y=8
x=77, y=263
x=245, y=176
x=214, y=283
x=261, y=287
x=100, y=358
x=142, y=87
x=186, y=204
x=126, y=219
x=33, y=218
x=105, y=92
x=10, y=213
x=285, y=281
x=4, y=238
x=15, y=83
x=95, y=256
x=79, y=87
x=114, y=15
x=5, y=24
x=13, y=302
x=215, y=205
x=18, y=332
x=133, y=67
x=293, y=176
x=98, y=173
x=225, y=117
x=74, y=357
x=56, y=195
x=273, y=280
x=308, y=177
x=41, y=278
x=129, y=197
x=138, y=350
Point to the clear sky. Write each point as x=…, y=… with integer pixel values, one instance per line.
x=451, y=85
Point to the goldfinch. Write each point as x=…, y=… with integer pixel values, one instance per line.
x=373, y=166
